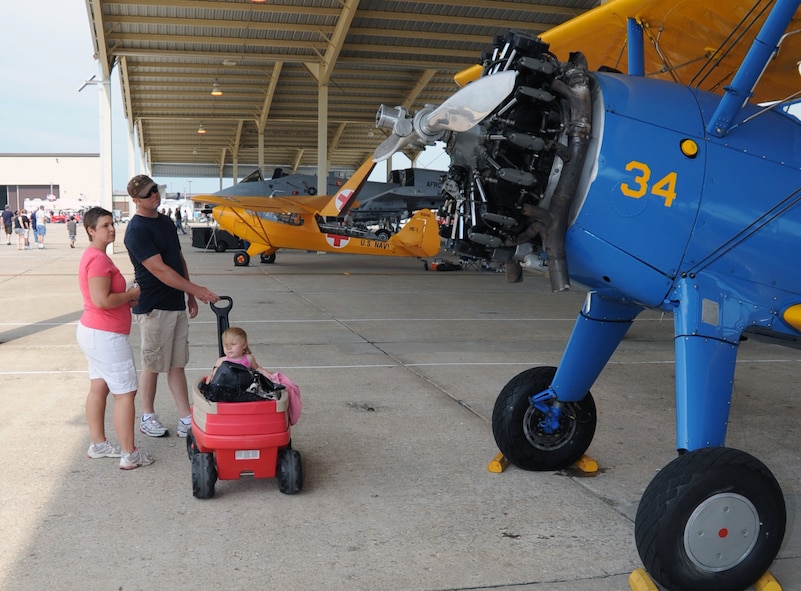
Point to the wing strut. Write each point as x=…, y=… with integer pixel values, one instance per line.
x=636, y=47
x=756, y=60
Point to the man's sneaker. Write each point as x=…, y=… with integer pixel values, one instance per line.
x=183, y=428
x=153, y=427
x=103, y=450
x=135, y=459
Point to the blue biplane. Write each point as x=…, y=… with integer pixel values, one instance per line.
x=646, y=150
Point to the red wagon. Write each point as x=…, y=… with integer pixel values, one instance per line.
x=230, y=439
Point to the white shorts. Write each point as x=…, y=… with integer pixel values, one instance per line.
x=110, y=358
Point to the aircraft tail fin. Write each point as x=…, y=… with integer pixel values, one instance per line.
x=420, y=236
x=343, y=199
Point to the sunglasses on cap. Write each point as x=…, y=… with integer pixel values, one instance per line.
x=153, y=190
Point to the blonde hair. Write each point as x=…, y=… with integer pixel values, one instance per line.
x=235, y=332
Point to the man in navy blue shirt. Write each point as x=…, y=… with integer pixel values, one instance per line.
x=161, y=311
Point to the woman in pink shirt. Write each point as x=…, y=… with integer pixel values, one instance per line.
x=103, y=336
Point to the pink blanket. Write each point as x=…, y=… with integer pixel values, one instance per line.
x=295, y=405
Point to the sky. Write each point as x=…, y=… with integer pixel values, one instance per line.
x=47, y=55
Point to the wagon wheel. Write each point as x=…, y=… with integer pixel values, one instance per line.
x=204, y=475
x=289, y=471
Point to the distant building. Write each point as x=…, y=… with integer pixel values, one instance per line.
x=67, y=181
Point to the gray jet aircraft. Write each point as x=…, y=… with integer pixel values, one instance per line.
x=409, y=190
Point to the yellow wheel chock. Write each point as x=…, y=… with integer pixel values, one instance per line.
x=586, y=464
x=498, y=463
x=640, y=581
x=767, y=582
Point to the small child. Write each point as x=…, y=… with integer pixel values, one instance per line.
x=235, y=345
x=72, y=230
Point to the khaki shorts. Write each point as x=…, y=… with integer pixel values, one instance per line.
x=165, y=339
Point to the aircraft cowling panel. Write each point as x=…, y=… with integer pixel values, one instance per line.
x=246, y=228
x=645, y=190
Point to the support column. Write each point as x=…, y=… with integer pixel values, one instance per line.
x=322, y=139
x=106, y=184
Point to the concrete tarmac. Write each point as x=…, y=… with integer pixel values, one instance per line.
x=399, y=369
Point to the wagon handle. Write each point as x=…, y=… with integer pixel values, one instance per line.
x=222, y=319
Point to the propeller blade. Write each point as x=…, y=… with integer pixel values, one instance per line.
x=461, y=112
x=389, y=146
x=467, y=107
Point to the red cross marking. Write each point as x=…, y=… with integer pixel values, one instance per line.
x=342, y=198
x=336, y=240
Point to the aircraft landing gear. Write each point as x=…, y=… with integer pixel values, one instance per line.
x=713, y=518
x=542, y=435
x=241, y=259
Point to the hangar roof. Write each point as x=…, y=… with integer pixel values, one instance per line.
x=270, y=59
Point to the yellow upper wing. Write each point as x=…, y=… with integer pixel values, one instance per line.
x=682, y=39
x=299, y=204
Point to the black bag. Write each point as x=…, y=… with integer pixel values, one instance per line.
x=233, y=382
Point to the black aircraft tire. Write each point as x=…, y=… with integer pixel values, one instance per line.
x=268, y=259
x=289, y=471
x=515, y=425
x=204, y=475
x=241, y=259
x=713, y=518
x=383, y=234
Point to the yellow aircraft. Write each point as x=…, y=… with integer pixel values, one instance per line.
x=298, y=222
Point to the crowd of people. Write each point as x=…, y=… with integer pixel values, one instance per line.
x=30, y=228
x=25, y=226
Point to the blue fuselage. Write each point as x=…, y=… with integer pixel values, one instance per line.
x=665, y=209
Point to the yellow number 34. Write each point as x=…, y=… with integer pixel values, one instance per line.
x=665, y=187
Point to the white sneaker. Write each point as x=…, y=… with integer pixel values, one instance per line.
x=183, y=428
x=153, y=427
x=103, y=450
x=135, y=459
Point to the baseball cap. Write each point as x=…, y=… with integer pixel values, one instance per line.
x=139, y=186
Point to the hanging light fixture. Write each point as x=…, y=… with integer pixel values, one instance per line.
x=201, y=130
x=216, y=90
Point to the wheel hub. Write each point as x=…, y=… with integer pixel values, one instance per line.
x=721, y=532
x=545, y=431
